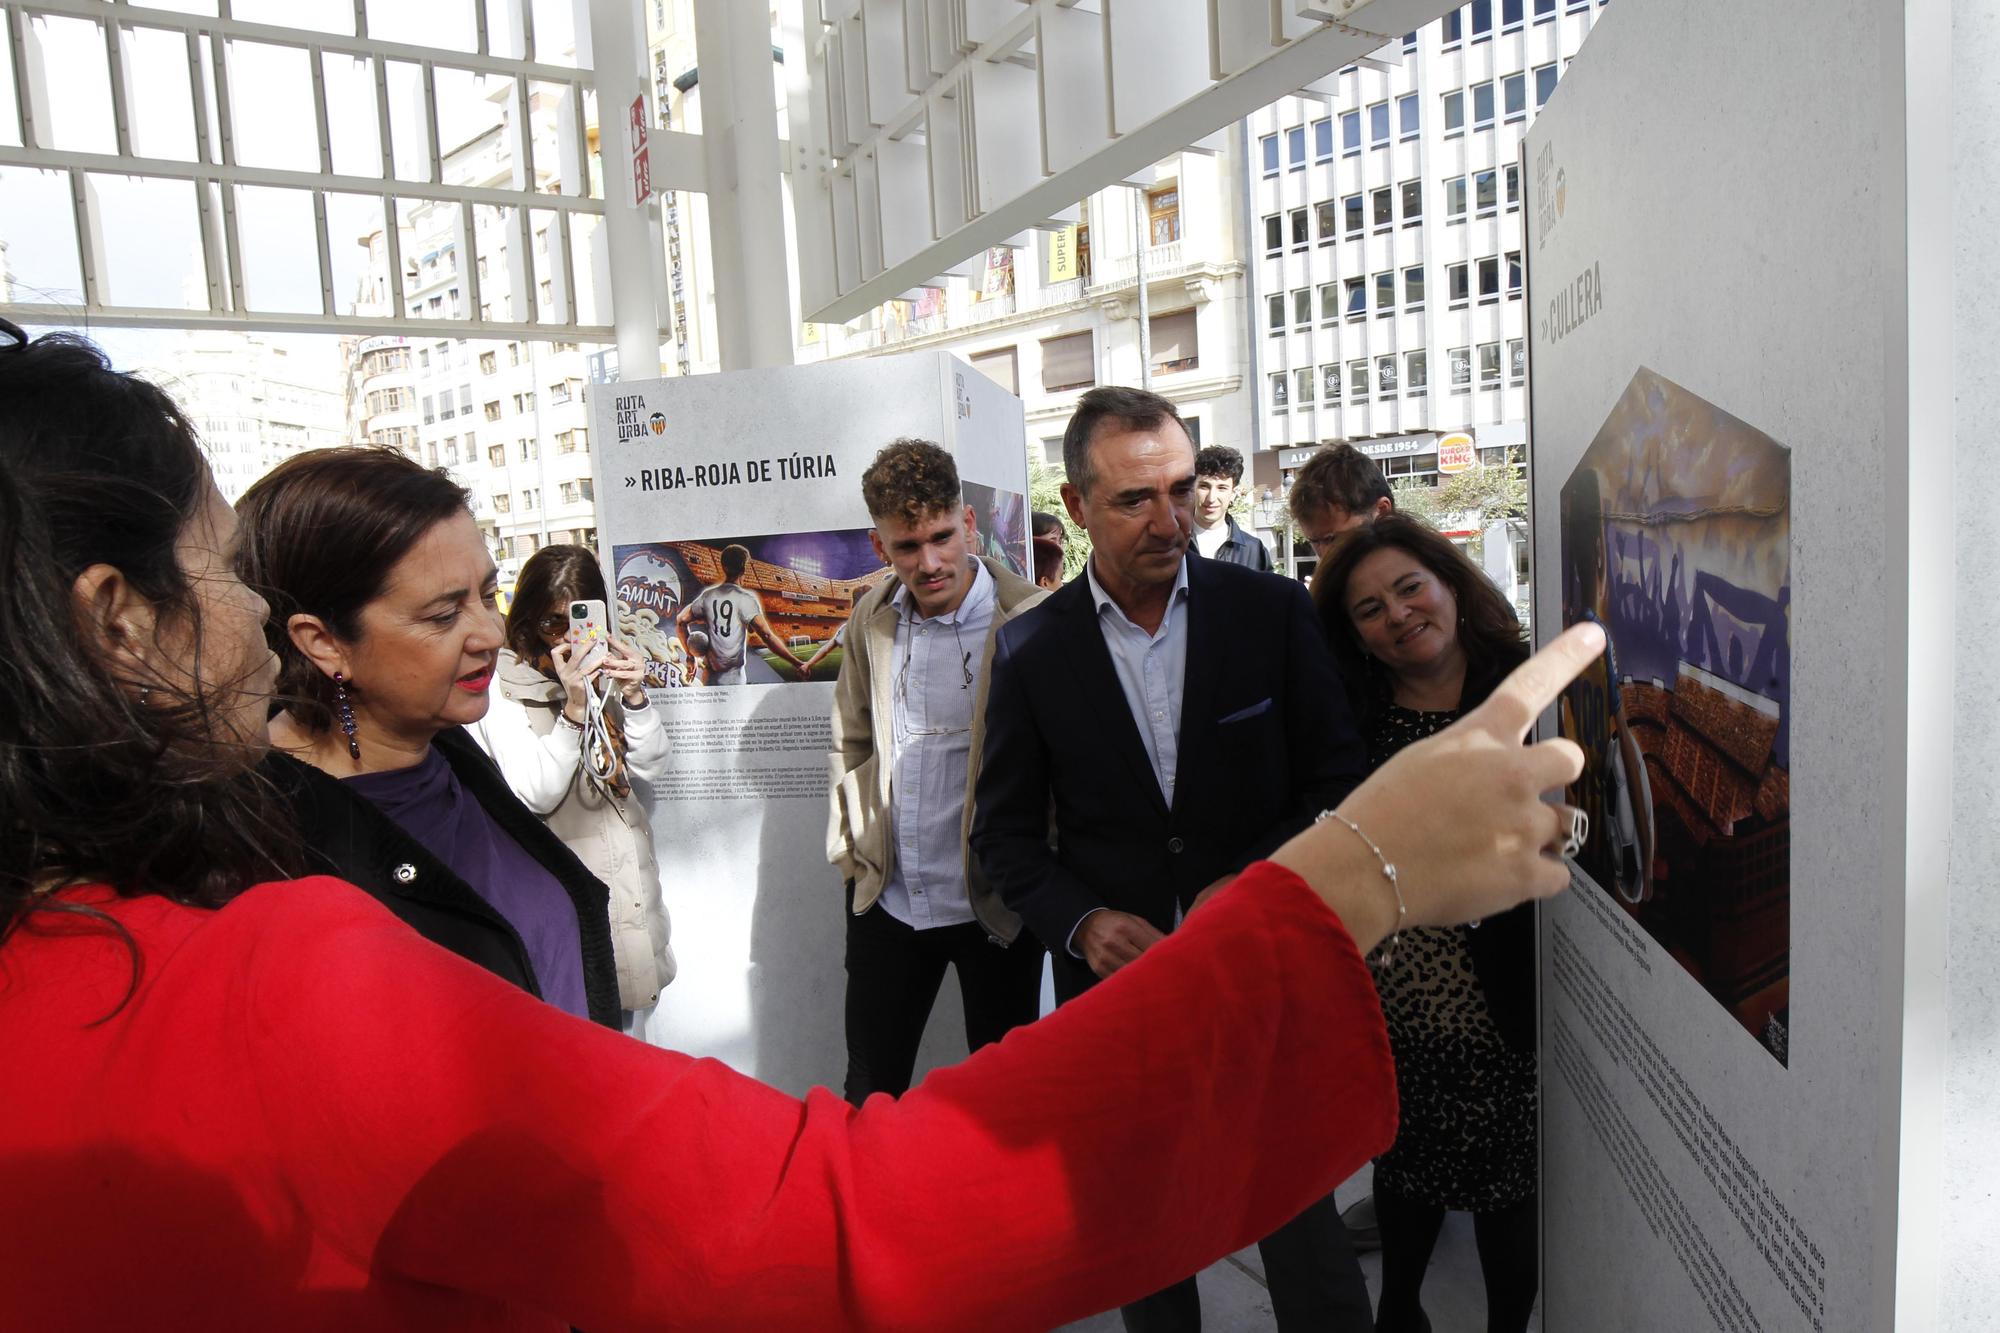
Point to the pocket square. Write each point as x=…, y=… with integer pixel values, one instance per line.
x=1244, y=714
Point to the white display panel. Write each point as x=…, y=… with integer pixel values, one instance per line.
x=1720, y=454
x=770, y=461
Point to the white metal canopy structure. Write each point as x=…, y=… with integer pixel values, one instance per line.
x=933, y=129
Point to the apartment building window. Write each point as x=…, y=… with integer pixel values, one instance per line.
x=1378, y=125
x=1323, y=140
x=513, y=354
x=1302, y=307
x=1512, y=173
x=434, y=455
x=524, y=544
x=1513, y=275
x=1456, y=289
x=493, y=410
x=1385, y=375
x=1173, y=338
x=1301, y=229
x=451, y=451
x=559, y=392
x=569, y=492
x=528, y=451
x=524, y=402
x=1454, y=199
x=1275, y=304
x=1454, y=113
x=430, y=409
x=1514, y=96
x=1068, y=362
x=1409, y=43
x=1269, y=144
x=1302, y=385
x=423, y=358
x=1545, y=85
x=1329, y=302
x=1350, y=133
x=1329, y=220
x=1357, y=381
x=1577, y=6
x=1406, y=115
x=530, y=497
x=1383, y=201
x=584, y=487
x=1454, y=29
x=1489, y=279
x=1517, y=360
x=445, y=409
x=1357, y=298
x=1413, y=203
x=1351, y=212
x=1281, y=392
x=1385, y=293
x=488, y=363
x=1274, y=234
x=1482, y=20
x=548, y=292
x=1461, y=368
x=1482, y=106
x=1510, y=15
x=496, y=454
x=1000, y=365
x=503, y=503
x=1052, y=453
x=1489, y=365
x=1413, y=287
x=566, y=439
x=1329, y=384
x=1485, y=192
x=1295, y=147
x=1163, y=213
x=1544, y=10
x=1417, y=373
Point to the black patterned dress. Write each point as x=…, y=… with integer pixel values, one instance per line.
x=1467, y=1136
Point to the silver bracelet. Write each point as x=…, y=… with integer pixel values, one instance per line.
x=1388, y=952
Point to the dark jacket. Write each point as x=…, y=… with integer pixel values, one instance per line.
x=1240, y=548
x=1265, y=745
x=346, y=836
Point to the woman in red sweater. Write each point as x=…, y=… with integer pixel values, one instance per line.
x=238, y=1099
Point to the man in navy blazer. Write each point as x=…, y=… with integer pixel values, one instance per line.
x=1151, y=728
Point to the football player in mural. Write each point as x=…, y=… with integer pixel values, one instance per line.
x=717, y=624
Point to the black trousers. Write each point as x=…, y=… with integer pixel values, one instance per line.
x=1315, y=1281
x=893, y=975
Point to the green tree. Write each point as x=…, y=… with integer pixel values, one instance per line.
x=1495, y=492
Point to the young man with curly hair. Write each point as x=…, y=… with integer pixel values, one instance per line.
x=907, y=733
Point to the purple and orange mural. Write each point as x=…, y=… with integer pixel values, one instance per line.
x=1676, y=537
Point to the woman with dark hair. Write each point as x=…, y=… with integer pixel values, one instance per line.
x=244, y=1100
x=1421, y=637
x=569, y=741
x=382, y=617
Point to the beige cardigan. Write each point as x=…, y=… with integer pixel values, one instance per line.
x=612, y=837
x=857, y=830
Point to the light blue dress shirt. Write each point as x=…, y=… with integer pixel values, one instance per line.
x=938, y=662
x=1152, y=670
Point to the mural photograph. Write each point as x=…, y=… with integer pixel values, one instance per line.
x=1001, y=518
x=742, y=610
x=1676, y=538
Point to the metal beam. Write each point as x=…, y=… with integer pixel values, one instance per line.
x=148, y=317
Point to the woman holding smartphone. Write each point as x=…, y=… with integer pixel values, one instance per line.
x=570, y=734
x=382, y=617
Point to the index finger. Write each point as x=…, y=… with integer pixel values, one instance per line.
x=1519, y=700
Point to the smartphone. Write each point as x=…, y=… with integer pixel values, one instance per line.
x=589, y=633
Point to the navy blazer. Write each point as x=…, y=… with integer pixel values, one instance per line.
x=1266, y=743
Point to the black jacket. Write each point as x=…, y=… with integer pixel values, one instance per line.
x=1265, y=744
x=347, y=837
x=1240, y=548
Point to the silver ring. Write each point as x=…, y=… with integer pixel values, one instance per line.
x=1579, y=831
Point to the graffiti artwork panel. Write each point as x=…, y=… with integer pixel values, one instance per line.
x=742, y=610
x=1676, y=538
x=1001, y=520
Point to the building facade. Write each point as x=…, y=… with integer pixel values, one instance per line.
x=253, y=404
x=1058, y=310
x=1388, y=286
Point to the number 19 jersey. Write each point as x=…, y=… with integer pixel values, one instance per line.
x=726, y=611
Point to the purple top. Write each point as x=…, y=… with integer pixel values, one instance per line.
x=428, y=803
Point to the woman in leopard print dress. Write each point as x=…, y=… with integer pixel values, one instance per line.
x=1421, y=636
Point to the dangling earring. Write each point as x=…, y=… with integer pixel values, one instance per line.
x=346, y=715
